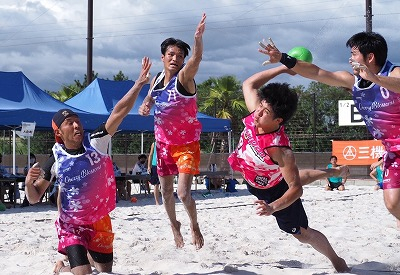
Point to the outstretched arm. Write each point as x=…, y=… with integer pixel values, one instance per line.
x=126, y=103
x=256, y=81
x=308, y=70
x=187, y=74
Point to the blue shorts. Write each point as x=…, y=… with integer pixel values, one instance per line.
x=289, y=219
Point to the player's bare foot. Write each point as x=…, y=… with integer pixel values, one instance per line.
x=176, y=230
x=197, y=237
x=341, y=266
x=59, y=267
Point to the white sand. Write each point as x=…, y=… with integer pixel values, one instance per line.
x=237, y=241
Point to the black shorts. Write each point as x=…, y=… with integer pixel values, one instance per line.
x=289, y=219
x=154, y=180
x=333, y=185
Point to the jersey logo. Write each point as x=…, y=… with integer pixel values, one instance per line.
x=260, y=180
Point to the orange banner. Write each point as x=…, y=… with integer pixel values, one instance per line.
x=357, y=152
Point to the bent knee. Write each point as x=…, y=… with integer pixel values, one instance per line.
x=301, y=238
x=392, y=206
x=184, y=196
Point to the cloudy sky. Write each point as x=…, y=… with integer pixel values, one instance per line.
x=46, y=39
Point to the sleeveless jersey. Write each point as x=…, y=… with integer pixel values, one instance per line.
x=87, y=184
x=175, y=115
x=251, y=157
x=379, y=109
x=379, y=173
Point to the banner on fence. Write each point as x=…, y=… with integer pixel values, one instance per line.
x=357, y=152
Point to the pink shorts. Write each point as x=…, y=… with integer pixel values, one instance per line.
x=391, y=171
x=96, y=237
x=174, y=159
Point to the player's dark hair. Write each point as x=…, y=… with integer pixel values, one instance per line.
x=370, y=42
x=282, y=99
x=333, y=157
x=175, y=42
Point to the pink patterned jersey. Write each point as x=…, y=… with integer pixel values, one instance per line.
x=251, y=157
x=175, y=115
x=87, y=184
x=380, y=109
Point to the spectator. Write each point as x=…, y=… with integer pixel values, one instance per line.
x=140, y=168
x=335, y=182
x=6, y=185
x=377, y=174
x=152, y=170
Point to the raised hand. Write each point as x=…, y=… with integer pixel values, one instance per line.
x=144, y=75
x=200, y=27
x=271, y=50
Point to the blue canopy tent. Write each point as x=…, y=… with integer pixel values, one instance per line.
x=104, y=94
x=21, y=100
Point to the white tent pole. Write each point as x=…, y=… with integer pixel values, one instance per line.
x=29, y=152
x=141, y=143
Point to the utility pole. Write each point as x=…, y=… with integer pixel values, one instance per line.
x=368, y=15
x=89, y=43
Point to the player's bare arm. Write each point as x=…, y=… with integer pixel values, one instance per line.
x=126, y=103
x=287, y=164
x=187, y=74
x=148, y=101
x=392, y=82
x=339, y=79
x=256, y=81
x=35, y=184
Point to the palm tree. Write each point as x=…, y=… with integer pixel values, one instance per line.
x=66, y=92
x=222, y=98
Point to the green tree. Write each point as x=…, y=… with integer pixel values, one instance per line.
x=71, y=90
x=315, y=122
x=222, y=98
x=120, y=77
x=66, y=92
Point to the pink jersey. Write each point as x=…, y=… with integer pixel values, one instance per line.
x=87, y=184
x=175, y=115
x=251, y=157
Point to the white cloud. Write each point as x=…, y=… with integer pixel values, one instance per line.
x=46, y=39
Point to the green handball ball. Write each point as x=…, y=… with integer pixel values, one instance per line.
x=301, y=53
